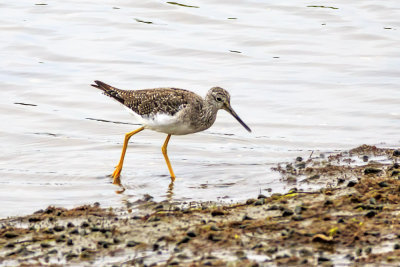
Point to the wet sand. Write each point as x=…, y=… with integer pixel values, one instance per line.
x=353, y=219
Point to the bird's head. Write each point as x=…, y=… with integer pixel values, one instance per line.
x=221, y=99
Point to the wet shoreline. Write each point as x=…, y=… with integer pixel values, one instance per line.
x=352, y=219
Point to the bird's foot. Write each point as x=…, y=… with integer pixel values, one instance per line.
x=116, y=175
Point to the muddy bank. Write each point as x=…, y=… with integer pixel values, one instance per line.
x=353, y=219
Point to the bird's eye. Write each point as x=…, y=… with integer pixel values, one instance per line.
x=219, y=99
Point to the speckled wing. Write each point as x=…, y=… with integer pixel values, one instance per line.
x=149, y=102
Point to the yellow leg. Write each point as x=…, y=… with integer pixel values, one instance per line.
x=164, y=151
x=118, y=168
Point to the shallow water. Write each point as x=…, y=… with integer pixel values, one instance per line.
x=304, y=77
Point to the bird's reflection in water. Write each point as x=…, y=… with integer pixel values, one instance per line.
x=170, y=191
x=127, y=197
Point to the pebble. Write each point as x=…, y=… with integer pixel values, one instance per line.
x=132, y=244
x=217, y=213
x=70, y=256
x=261, y=196
x=186, y=239
x=59, y=228
x=370, y=214
x=351, y=183
x=287, y=212
x=10, y=235
x=246, y=217
x=45, y=245
x=383, y=184
x=372, y=170
x=191, y=234
x=259, y=202
x=297, y=218
x=323, y=259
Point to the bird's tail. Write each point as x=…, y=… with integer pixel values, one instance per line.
x=110, y=91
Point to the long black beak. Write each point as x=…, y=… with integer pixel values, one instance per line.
x=228, y=108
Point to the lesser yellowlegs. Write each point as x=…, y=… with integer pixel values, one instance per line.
x=169, y=110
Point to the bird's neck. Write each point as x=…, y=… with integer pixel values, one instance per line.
x=209, y=113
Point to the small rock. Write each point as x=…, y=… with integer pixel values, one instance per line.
x=147, y=197
x=301, y=165
x=45, y=245
x=132, y=244
x=156, y=247
x=191, y=234
x=214, y=238
x=70, y=225
x=287, y=212
x=85, y=224
x=261, y=196
x=340, y=220
x=396, y=153
x=186, y=239
x=71, y=256
x=59, y=228
x=341, y=180
x=85, y=255
x=70, y=242
x=370, y=214
x=397, y=246
x=368, y=250
x=272, y=250
x=10, y=245
x=74, y=232
x=305, y=252
x=48, y=231
x=365, y=158
x=351, y=183
x=214, y=228
x=60, y=239
x=154, y=219
x=323, y=259
x=383, y=184
x=53, y=251
x=159, y=207
x=34, y=219
x=241, y=254
x=10, y=235
x=217, y=213
x=246, y=217
x=259, y=202
x=297, y=218
x=371, y=170
x=250, y=201
x=298, y=159
x=372, y=201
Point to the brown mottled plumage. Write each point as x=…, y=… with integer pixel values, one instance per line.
x=148, y=102
x=169, y=110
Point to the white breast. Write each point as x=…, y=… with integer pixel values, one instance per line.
x=164, y=123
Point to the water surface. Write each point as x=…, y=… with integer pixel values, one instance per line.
x=304, y=75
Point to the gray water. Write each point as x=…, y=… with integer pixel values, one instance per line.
x=306, y=76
